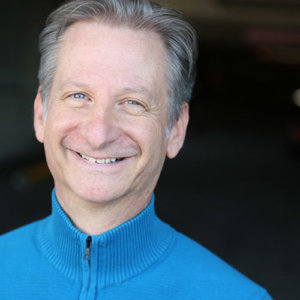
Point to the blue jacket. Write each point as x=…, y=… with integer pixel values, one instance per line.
x=143, y=258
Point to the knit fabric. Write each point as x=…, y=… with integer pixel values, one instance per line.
x=143, y=258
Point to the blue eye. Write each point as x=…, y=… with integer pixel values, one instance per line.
x=132, y=102
x=78, y=96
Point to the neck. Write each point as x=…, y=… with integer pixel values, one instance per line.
x=95, y=218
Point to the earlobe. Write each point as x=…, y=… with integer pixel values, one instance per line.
x=178, y=131
x=39, y=117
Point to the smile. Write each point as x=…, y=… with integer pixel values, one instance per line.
x=102, y=160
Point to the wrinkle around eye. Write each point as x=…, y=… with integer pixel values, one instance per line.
x=133, y=106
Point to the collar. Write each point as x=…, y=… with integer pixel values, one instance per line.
x=115, y=255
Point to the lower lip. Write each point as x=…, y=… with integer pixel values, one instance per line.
x=96, y=166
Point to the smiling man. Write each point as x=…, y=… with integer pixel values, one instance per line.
x=115, y=80
x=105, y=129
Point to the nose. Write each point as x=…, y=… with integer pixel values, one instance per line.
x=101, y=128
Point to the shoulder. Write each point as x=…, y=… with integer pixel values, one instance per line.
x=17, y=244
x=204, y=272
x=190, y=253
x=22, y=233
x=20, y=256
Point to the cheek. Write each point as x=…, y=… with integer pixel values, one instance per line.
x=151, y=139
x=60, y=122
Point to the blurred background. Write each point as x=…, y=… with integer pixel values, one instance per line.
x=234, y=187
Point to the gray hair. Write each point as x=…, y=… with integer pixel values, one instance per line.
x=178, y=36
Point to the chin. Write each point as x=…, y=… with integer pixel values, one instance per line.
x=98, y=195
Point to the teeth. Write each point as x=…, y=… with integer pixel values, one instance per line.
x=99, y=161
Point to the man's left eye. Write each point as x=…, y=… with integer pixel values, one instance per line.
x=132, y=102
x=78, y=96
x=133, y=106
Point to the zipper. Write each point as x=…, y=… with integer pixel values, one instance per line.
x=86, y=292
x=88, y=245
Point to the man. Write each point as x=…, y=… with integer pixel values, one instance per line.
x=115, y=79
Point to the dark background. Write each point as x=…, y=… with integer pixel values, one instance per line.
x=235, y=186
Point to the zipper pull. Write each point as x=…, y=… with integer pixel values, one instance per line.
x=87, y=253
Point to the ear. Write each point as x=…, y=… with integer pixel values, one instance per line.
x=39, y=117
x=178, y=131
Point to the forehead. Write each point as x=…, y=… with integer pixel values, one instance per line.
x=100, y=52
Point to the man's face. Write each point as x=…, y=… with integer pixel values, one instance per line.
x=104, y=134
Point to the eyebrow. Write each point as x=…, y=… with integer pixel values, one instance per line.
x=74, y=83
x=138, y=90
